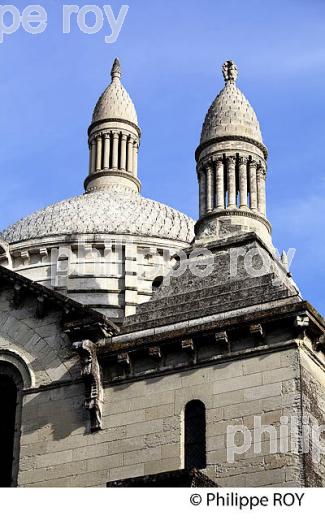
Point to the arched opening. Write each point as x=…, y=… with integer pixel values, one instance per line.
x=157, y=283
x=10, y=405
x=195, y=435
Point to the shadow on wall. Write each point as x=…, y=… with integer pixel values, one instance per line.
x=54, y=409
x=53, y=415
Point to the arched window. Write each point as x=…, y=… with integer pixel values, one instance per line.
x=11, y=385
x=195, y=435
x=157, y=283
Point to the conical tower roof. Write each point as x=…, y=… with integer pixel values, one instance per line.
x=231, y=113
x=115, y=102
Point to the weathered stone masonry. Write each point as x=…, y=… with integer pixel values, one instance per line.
x=105, y=368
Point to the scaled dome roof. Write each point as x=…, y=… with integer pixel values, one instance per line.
x=109, y=211
x=115, y=102
x=230, y=113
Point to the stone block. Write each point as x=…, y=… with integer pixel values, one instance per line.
x=69, y=469
x=169, y=451
x=105, y=463
x=261, y=363
x=184, y=395
x=216, y=442
x=125, y=418
x=265, y=478
x=237, y=383
x=289, y=357
x=272, y=417
x=279, y=374
x=161, y=438
x=226, y=371
x=160, y=466
x=233, y=481
x=53, y=459
x=144, y=428
x=235, y=397
x=213, y=415
x=139, y=456
x=259, y=392
x=158, y=412
x=135, y=470
x=137, y=403
x=126, y=445
x=89, y=452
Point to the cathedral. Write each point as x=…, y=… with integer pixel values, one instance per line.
x=139, y=348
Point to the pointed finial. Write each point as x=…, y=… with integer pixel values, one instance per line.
x=229, y=71
x=116, y=69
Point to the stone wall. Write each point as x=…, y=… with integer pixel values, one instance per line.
x=142, y=426
x=39, y=343
x=313, y=403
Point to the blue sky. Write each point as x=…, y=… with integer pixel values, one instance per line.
x=171, y=53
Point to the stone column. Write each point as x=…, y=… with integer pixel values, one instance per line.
x=135, y=159
x=209, y=188
x=231, y=182
x=253, y=185
x=243, y=188
x=90, y=158
x=261, y=198
x=93, y=155
x=99, y=152
x=202, y=189
x=115, y=150
x=130, y=155
x=123, y=152
x=220, y=184
x=107, y=144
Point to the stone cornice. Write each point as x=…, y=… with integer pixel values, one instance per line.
x=212, y=159
x=228, y=213
x=215, y=140
x=66, y=304
x=255, y=323
x=288, y=308
x=113, y=120
x=111, y=173
x=111, y=135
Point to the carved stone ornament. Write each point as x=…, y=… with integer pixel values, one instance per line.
x=320, y=344
x=155, y=352
x=243, y=160
x=302, y=322
x=90, y=372
x=124, y=358
x=257, y=330
x=231, y=160
x=230, y=72
x=221, y=339
x=187, y=344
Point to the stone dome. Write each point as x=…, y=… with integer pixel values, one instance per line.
x=230, y=113
x=115, y=102
x=109, y=211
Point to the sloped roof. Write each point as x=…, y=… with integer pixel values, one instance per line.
x=189, y=296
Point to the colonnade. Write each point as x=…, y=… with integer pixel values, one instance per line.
x=113, y=150
x=232, y=182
